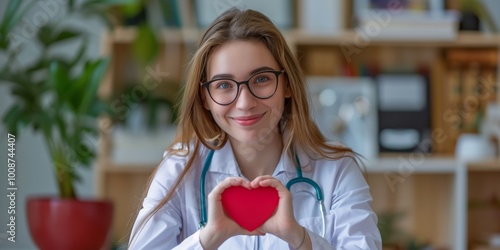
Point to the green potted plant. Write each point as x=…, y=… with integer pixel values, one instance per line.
x=56, y=96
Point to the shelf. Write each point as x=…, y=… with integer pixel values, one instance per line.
x=126, y=35
x=431, y=164
x=110, y=167
x=129, y=169
x=464, y=39
x=412, y=163
x=301, y=37
x=381, y=165
x=485, y=165
x=485, y=248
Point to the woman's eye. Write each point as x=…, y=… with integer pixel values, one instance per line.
x=223, y=85
x=261, y=79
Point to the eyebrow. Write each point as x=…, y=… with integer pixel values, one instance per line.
x=230, y=76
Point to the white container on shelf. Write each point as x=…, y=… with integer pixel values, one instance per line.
x=473, y=147
x=321, y=16
x=495, y=240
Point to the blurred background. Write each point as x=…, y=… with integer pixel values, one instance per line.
x=412, y=85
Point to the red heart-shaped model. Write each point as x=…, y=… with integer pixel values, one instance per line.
x=250, y=208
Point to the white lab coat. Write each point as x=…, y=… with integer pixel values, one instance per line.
x=350, y=221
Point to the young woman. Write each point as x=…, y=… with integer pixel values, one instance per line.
x=244, y=121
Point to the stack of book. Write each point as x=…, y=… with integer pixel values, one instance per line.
x=407, y=25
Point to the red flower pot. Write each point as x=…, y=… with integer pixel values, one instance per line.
x=69, y=224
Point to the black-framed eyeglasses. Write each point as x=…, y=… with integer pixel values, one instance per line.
x=262, y=85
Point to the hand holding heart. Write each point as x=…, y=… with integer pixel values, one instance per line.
x=282, y=223
x=221, y=227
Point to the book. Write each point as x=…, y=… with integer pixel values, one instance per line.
x=408, y=25
x=452, y=115
x=470, y=99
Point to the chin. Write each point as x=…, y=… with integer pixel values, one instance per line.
x=246, y=139
x=252, y=138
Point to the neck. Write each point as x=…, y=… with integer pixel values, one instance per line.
x=259, y=158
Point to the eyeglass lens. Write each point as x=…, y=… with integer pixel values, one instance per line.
x=261, y=85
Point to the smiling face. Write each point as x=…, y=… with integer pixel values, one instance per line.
x=248, y=119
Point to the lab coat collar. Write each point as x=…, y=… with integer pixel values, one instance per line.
x=224, y=161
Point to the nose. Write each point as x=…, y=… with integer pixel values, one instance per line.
x=245, y=99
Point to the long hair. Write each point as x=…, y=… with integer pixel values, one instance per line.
x=296, y=124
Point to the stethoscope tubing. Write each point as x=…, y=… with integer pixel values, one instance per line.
x=203, y=202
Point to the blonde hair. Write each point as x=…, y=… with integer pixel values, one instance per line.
x=296, y=124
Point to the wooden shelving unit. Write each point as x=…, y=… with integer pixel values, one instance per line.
x=433, y=192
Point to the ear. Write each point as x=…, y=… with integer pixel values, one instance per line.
x=288, y=91
x=203, y=95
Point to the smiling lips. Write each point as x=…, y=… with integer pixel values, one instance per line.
x=247, y=120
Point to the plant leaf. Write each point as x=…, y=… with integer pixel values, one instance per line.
x=61, y=125
x=59, y=78
x=23, y=93
x=11, y=17
x=48, y=36
x=84, y=154
x=98, y=108
x=80, y=54
x=95, y=72
x=9, y=13
x=109, y=3
x=15, y=18
x=65, y=35
x=46, y=122
x=146, y=46
x=78, y=87
x=11, y=118
x=45, y=35
x=39, y=65
x=71, y=4
x=485, y=14
x=100, y=13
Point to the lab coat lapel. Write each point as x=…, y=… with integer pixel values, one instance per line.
x=224, y=161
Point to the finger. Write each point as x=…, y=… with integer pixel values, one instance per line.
x=274, y=183
x=271, y=183
x=228, y=182
x=256, y=181
x=233, y=181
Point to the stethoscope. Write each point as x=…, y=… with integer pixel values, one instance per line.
x=298, y=179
